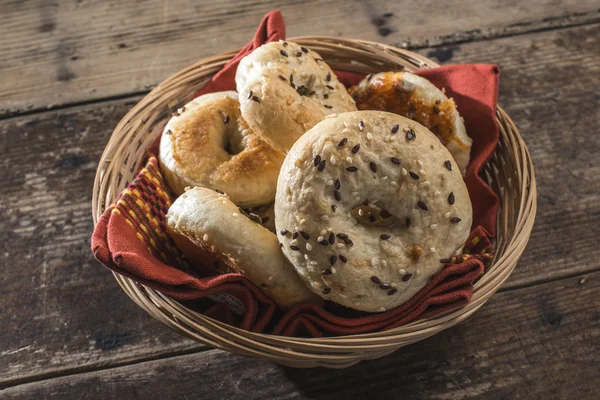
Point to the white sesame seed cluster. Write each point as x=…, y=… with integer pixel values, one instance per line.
x=369, y=229
x=285, y=89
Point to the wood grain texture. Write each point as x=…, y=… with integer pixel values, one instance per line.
x=63, y=313
x=528, y=343
x=64, y=52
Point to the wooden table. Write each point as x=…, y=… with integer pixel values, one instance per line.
x=71, y=69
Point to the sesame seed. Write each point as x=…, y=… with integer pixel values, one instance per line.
x=302, y=221
x=448, y=165
x=324, y=242
x=326, y=272
x=438, y=101
x=294, y=247
x=283, y=53
x=340, y=245
x=404, y=172
x=373, y=166
x=402, y=271
x=451, y=198
x=437, y=193
x=393, y=183
x=305, y=235
x=360, y=212
x=392, y=292
x=447, y=215
x=256, y=99
x=317, y=160
x=226, y=119
x=384, y=236
x=329, y=87
x=331, y=238
x=426, y=183
x=295, y=235
x=361, y=126
x=343, y=142
x=324, y=217
x=283, y=78
x=249, y=95
x=327, y=106
x=332, y=260
x=395, y=128
x=369, y=136
x=327, y=290
x=298, y=54
x=235, y=214
x=337, y=184
x=333, y=207
x=384, y=286
x=433, y=226
x=329, y=182
x=433, y=250
x=445, y=260
x=343, y=259
x=333, y=270
x=455, y=220
x=406, y=277
x=325, y=96
x=308, y=247
x=407, y=222
x=352, y=169
x=304, y=49
x=205, y=237
x=411, y=134
x=395, y=160
x=291, y=78
x=284, y=232
x=349, y=159
x=371, y=219
x=328, y=77
x=285, y=44
x=355, y=149
x=337, y=195
x=384, y=214
x=422, y=206
x=420, y=163
x=342, y=236
x=321, y=166
x=376, y=280
x=414, y=176
x=349, y=242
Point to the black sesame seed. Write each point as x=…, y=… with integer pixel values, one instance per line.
x=384, y=236
x=325, y=96
x=343, y=259
x=384, y=214
x=293, y=86
x=355, y=149
x=324, y=242
x=371, y=218
x=422, y=206
x=337, y=195
x=332, y=260
x=295, y=235
x=361, y=126
x=265, y=220
x=331, y=239
x=291, y=78
x=284, y=53
x=455, y=220
x=438, y=101
x=256, y=99
x=373, y=166
x=445, y=260
x=284, y=232
x=219, y=191
x=395, y=128
x=327, y=106
x=305, y=235
x=294, y=247
x=451, y=198
x=285, y=44
x=348, y=242
x=249, y=95
x=327, y=272
x=392, y=292
x=311, y=93
x=342, y=236
x=436, y=110
x=326, y=290
x=280, y=244
x=328, y=76
x=406, y=277
x=448, y=165
x=337, y=184
x=226, y=119
x=366, y=202
x=298, y=54
x=411, y=134
x=395, y=160
x=168, y=132
x=352, y=169
x=408, y=222
x=322, y=165
x=329, y=87
x=333, y=207
x=384, y=286
x=255, y=218
x=304, y=49
x=317, y=160
x=414, y=176
x=283, y=78
x=343, y=142
x=376, y=280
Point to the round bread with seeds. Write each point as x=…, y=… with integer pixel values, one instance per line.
x=416, y=98
x=207, y=227
x=207, y=143
x=368, y=204
x=285, y=89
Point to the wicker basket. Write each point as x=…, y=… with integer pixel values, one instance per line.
x=509, y=172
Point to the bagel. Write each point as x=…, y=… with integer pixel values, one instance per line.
x=285, y=89
x=207, y=143
x=416, y=98
x=207, y=226
x=368, y=206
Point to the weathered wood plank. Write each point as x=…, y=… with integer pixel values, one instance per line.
x=62, y=313
x=539, y=342
x=65, y=52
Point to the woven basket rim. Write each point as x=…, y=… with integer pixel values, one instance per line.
x=221, y=335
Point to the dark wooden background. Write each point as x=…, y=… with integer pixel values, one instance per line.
x=70, y=70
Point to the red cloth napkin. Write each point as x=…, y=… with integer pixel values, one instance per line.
x=131, y=237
